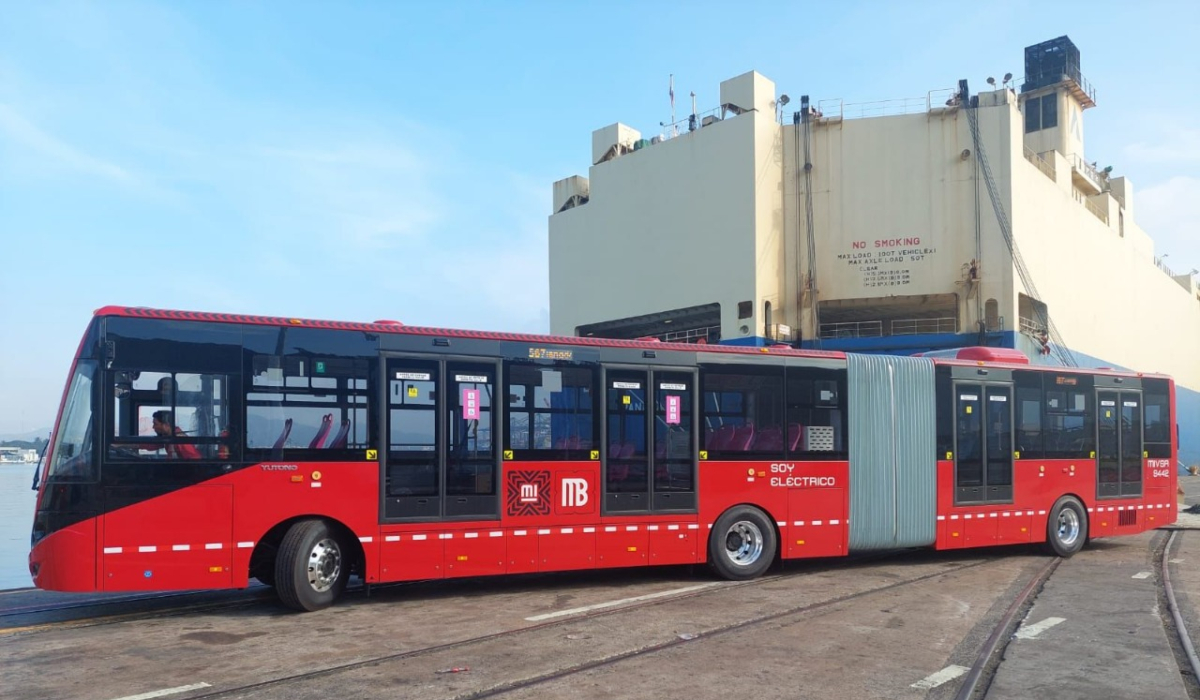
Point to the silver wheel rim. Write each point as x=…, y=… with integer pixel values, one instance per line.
x=1068, y=526
x=324, y=565
x=743, y=543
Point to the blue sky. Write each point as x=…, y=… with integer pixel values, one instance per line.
x=395, y=160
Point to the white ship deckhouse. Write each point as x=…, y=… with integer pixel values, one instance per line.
x=960, y=218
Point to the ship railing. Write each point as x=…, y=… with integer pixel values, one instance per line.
x=919, y=326
x=1040, y=162
x=1089, y=172
x=1030, y=326
x=707, y=333
x=1158, y=262
x=1096, y=209
x=852, y=329
x=682, y=126
x=877, y=108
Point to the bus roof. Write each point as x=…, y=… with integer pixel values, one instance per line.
x=397, y=328
x=968, y=356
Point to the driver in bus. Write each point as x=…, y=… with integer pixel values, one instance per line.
x=164, y=426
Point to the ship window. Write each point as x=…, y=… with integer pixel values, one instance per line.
x=1049, y=111
x=991, y=315
x=1033, y=115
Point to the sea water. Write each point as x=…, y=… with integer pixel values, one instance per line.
x=16, y=518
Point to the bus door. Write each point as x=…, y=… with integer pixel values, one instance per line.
x=983, y=449
x=1118, y=443
x=650, y=440
x=441, y=459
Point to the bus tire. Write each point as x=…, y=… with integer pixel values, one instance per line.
x=311, y=568
x=743, y=544
x=1066, y=528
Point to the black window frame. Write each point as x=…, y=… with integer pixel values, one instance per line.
x=221, y=445
x=652, y=496
x=988, y=490
x=1028, y=393
x=821, y=378
x=1049, y=111
x=553, y=453
x=133, y=344
x=1033, y=114
x=741, y=374
x=352, y=397
x=1157, y=393
x=1065, y=386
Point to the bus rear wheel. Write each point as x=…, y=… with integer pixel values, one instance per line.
x=742, y=545
x=311, y=568
x=1066, y=528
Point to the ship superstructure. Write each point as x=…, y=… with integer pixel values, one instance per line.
x=959, y=218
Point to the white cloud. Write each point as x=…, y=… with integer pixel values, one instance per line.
x=26, y=135
x=361, y=196
x=1175, y=145
x=1167, y=212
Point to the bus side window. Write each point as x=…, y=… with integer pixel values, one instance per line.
x=1029, y=403
x=307, y=403
x=1157, y=418
x=167, y=415
x=552, y=410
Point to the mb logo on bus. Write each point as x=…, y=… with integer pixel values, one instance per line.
x=575, y=493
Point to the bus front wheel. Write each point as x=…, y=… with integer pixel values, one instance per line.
x=311, y=568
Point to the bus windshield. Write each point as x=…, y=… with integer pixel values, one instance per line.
x=72, y=458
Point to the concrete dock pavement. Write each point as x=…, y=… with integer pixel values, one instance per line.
x=1095, y=631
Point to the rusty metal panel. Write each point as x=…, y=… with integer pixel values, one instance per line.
x=893, y=471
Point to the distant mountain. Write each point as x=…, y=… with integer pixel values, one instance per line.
x=28, y=435
x=37, y=444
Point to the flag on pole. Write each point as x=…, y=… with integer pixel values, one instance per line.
x=672, y=92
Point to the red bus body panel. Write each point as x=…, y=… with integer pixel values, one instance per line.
x=203, y=536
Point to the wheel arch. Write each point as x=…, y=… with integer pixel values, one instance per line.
x=267, y=546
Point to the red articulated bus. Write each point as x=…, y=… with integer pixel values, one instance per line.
x=197, y=450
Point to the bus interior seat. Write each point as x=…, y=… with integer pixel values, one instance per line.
x=795, y=432
x=769, y=439
x=326, y=424
x=339, y=440
x=743, y=437
x=287, y=430
x=723, y=437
